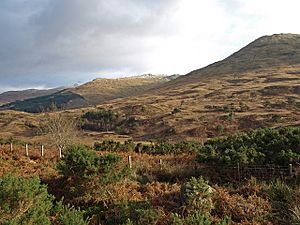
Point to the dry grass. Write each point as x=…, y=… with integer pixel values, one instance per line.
x=200, y=112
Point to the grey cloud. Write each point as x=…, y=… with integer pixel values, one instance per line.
x=43, y=40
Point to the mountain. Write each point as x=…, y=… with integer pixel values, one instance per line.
x=12, y=96
x=91, y=93
x=258, y=86
x=274, y=51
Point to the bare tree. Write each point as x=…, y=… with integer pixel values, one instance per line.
x=60, y=129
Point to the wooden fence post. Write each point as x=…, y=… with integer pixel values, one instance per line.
x=26, y=150
x=129, y=161
x=238, y=170
x=160, y=163
x=60, y=153
x=42, y=150
x=11, y=147
x=290, y=169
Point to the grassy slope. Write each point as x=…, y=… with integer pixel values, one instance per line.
x=269, y=86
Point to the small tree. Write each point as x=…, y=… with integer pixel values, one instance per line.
x=61, y=130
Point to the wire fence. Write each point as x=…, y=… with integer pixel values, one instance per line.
x=226, y=172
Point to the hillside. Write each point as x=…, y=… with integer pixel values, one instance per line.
x=102, y=89
x=267, y=52
x=12, y=96
x=233, y=95
x=91, y=93
x=258, y=86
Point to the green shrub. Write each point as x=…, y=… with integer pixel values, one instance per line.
x=101, y=120
x=220, y=128
x=155, y=149
x=197, y=194
x=176, y=110
x=79, y=162
x=276, y=118
x=90, y=177
x=127, y=212
x=24, y=201
x=68, y=215
x=228, y=117
x=281, y=197
x=262, y=146
x=196, y=218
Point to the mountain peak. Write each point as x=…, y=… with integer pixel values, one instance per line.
x=278, y=38
x=265, y=52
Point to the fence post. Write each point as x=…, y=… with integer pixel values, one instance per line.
x=290, y=169
x=238, y=170
x=129, y=161
x=11, y=147
x=60, y=153
x=160, y=163
x=26, y=150
x=42, y=150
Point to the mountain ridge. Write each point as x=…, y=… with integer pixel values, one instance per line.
x=12, y=96
x=94, y=92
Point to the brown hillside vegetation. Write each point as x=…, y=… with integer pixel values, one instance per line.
x=103, y=89
x=232, y=95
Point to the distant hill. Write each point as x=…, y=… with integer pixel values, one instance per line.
x=12, y=96
x=91, y=93
x=258, y=86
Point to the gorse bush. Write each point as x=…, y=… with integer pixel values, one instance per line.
x=263, y=146
x=24, y=201
x=281, y=197
x=197, y=194
x=159, y=148
x=79, y=162
x=115, y=146
x=90, y=177
x=126, y=212
x=82, y=163
x=68, y=215
x=196, y=218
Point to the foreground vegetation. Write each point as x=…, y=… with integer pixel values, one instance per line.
x=91, y=186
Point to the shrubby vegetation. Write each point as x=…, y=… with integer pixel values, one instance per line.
x=5, y=141
x=99, y=188
x=160, y=148
x=263, y=146
x=107, y=120
x=88, y=175
x=27, y=201
x=102, y=120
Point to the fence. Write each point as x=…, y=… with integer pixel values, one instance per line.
x=265, y=172
x=226, y=172
x=29, y=150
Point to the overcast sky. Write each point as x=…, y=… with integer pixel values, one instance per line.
x=47, y=43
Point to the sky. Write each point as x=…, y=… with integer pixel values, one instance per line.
x=50, y=43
